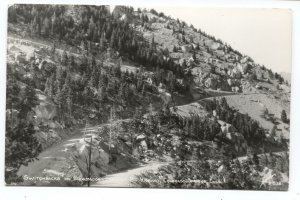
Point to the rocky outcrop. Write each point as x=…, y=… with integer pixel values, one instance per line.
x=211, y=83
x=46, y=110
x=240, y=144
x=243, y=68
x=226, y=128
x=230, y=82
x=47, y=138
x=186, y=48
x=235, y=89
x=30, y=55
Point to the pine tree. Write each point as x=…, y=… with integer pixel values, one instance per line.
x=46, y=27
x=49, y=87
x=21, y=148
x=187, y=128
x=153, y=46
x=64, y=58
x=284, y=116
x=29, y=101
x=102, y=42
x=12, y=96
x=69, y=102
x=58, y=99
x=273, y=131
x=174, y=49
x=12, y=14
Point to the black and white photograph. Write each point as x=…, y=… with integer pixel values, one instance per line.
x=121, y=96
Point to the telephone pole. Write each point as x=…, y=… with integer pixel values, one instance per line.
x=90, y=162
x=110, y=122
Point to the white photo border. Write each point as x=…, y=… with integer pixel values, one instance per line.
x=45, y=193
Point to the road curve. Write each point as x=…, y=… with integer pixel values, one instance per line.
x=124, y=178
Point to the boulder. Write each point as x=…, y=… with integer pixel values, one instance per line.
x=215, y=46
x=166, y=97
x=46, y=110
x=30, y=55
x=211, y=83
x=140, y=137
x=46, y=139
x=226, y=128
x=186, y=48
x=229, y=81
x=245, y=59
x=235, y=73
x=144, y=145
x=215, y=113
x=243, y=68
x=74, y=171
x=235, y=89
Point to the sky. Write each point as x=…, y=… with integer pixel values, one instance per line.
x=261, y=33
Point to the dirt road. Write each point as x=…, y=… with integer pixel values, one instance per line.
x=123, y=179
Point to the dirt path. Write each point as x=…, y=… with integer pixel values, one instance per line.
x=123, y=179
x=53, y=157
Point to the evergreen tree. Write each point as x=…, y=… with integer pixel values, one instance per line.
x=28, y=101
x=284, y=116
x=59, y=100
x=12, y=14
x=273, y=131
x=21, y=148
x=12, y=96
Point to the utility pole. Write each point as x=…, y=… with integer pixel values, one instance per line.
x=109, y=143
x=90, y=162
x=85, y=127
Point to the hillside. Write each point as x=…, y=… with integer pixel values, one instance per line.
x=104, y=91
x=287, y=76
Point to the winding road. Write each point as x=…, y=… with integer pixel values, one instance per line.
x=52, y=157
x=124, y=178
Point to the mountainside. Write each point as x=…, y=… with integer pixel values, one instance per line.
x=105, y=90
x=287, y=76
